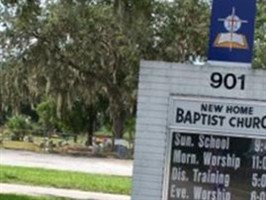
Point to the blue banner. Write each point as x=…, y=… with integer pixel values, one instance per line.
x=232, y=31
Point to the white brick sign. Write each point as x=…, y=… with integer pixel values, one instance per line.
x=192, y=117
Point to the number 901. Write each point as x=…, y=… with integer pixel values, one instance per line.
x=229, y=81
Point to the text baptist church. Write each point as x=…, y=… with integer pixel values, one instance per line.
x=219, y=115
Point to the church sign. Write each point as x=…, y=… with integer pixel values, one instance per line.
x=217, y=149
x=201, y=133
x=232, y=32
x=201, y=130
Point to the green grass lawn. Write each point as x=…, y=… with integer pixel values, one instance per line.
x=23, y=197
x=65, y=179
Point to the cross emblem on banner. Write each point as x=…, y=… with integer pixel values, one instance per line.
x=232, y=40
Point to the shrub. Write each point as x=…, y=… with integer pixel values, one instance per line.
x=19, y=126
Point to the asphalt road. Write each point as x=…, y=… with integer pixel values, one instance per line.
x=71, y=163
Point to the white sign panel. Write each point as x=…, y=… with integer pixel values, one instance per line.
x=219, y=115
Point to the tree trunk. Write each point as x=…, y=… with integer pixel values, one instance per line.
x=91, y=123
x=119, y=124
x=118, y=116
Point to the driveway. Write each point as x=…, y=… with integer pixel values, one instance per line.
x=52, y=161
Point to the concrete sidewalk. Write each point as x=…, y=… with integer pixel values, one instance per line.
x=69, y=163
x=65, y=193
